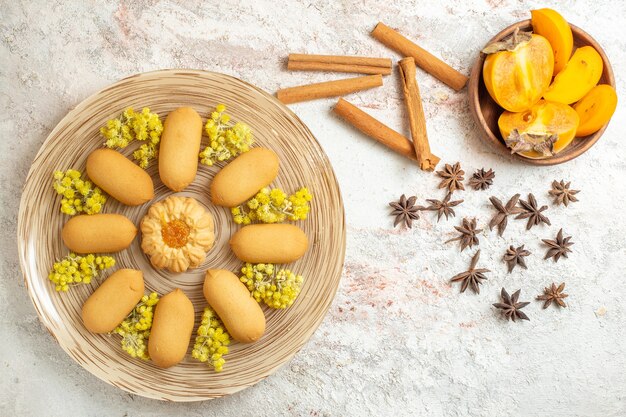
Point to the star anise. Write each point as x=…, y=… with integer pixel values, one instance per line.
x=510, y=307
x=558, y=247
x=468, y=233
x=553, y=294
x=515, y=256
x=481, y=180
x=443, y=207
x=405, y=211
x=472, y=277
x=532, y=213
x=452, y=177
x=504, y=211
x=562, y=193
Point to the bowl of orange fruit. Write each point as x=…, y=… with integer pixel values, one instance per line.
x=542, y=90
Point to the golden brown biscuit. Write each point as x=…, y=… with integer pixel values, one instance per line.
x=98, y=233
x=119, y=177
x=269, y=243
x=113, y=300
x=179, y=149
x=244, y=177
x=171, y=329
x=241, y=314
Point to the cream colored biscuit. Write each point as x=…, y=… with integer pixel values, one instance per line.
x=177, y=233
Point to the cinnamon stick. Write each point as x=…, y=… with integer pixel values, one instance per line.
x=339, y=63
x=424, y=59
x=340, y=59
x=328, y=89
x=417, y=121
x=323, y=66
x=374, y=129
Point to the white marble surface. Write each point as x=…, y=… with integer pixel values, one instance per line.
x=398, y=340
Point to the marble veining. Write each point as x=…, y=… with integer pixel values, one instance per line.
x=398, y=339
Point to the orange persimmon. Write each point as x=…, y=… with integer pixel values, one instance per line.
x=580, y=75
x=517, y=71
x=552, y=26
x=539, y=123
x=595, y=109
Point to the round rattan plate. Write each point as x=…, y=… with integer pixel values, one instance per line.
x=303, y=163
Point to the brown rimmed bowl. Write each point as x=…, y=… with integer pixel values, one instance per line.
x=486, y=112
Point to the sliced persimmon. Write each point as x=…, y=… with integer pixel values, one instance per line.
x=580, y=75
x=552, y=26
x=595, y=109
x=543, y=120
x=517, y=77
